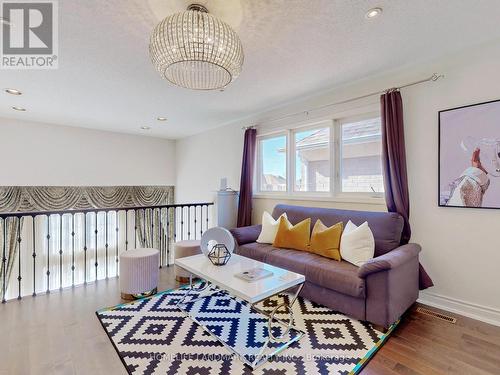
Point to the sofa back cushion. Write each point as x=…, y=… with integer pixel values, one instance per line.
x=386, y=226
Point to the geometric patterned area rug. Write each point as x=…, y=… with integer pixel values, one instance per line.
x=152, y=336
x=241, y=328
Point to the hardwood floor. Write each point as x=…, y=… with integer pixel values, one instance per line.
x=60, y=334
x=425, y=345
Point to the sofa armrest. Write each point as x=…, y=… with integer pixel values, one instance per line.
x=245, y=235
x=390, y=260
x=392, y=286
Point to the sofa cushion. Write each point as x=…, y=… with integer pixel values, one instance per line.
x=386, y=226
x=339, y=276
x=292, y=260
x=324, y=272
x=254, y=250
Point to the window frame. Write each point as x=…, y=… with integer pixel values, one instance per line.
x=259, y=169
x=293, y=158
x=338, y=157
x=335, y=193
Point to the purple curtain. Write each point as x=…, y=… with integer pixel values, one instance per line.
x=394, y=167
x=246, y=182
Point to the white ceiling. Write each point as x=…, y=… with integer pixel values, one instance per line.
x=292, y=48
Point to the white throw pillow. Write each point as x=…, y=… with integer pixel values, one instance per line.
x=269, y=228
x=357, y=244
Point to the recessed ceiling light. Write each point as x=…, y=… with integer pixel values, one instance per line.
x=374, y=12
x=20, y=109
x=145, y=127
x=4, y=21
x=13, y=92
x=159, y=118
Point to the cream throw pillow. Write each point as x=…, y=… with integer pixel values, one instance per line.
x=269, y=228
x=357, y=244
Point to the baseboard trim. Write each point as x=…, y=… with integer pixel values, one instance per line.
x=471, y=310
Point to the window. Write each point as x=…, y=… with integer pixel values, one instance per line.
x=339, y=158
x=361, y=169
x=312, y=160
x=272, y=164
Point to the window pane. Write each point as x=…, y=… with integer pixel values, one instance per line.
x=312, y=160
x=273, y=164
x=361, y=149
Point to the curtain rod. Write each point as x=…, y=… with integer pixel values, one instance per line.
x=432, y=78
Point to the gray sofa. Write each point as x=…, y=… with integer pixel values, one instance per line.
x=379, y=292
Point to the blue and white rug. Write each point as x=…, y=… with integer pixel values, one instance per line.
x=152, y=336
x=242, y=329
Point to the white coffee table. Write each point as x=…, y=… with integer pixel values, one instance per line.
x=223, y=278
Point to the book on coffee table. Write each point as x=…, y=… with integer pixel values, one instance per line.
x=254, y=274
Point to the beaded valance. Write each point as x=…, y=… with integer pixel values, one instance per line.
x=58, y=198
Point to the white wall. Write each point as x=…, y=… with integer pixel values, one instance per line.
x=203, y=159
x=42, y=154
x=461, y=248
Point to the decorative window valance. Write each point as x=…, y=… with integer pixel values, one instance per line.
x=58, y=198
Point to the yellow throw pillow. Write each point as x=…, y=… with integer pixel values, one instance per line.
x=325, y=241
x=293, y=236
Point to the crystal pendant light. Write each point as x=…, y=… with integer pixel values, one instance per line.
x=195, y=50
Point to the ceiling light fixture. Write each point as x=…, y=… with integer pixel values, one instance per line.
x=372, y=13
x=145, y=127
x=195, y=50
x=20, y=109
x=13, y=92
x=159, y=118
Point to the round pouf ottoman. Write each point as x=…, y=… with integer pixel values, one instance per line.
x=185, y=249
x=139, y=272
